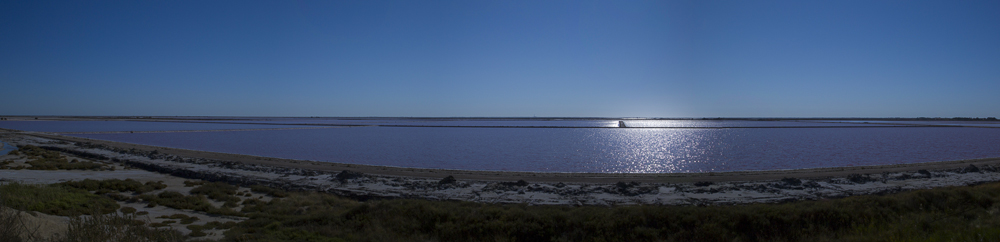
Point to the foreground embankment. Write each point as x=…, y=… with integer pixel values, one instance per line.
x=366, y=182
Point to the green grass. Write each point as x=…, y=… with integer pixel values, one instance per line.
x=54, y=199
x=178, y=200
x=198, y=200
x=942, y=214
x=42, y=159
x=127, y=185
x=274, y=192
x=218, y=191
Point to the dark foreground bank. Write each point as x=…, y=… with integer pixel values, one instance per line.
x=942, y=214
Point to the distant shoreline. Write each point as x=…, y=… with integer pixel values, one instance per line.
x=176, y=118
x=244, y=120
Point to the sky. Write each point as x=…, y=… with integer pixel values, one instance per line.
x=669, y=59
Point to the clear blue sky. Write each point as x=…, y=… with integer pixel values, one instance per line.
x=501, y=58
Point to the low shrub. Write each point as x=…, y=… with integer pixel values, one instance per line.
x=191, y=183
x=197, y=233
x=189, y=220
x=42, y=159
x=54, y=199
x=127, y=210
x=177, y=200
x=127, y=185
x=218, y=191
x=274, y=192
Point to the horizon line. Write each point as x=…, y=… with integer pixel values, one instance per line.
x=482, y=117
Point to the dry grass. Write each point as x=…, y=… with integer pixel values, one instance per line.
x=115, y=227
x=13, y=227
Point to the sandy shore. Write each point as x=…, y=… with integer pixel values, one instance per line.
x=366, y=182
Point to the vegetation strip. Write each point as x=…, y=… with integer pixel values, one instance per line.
x=956, y=213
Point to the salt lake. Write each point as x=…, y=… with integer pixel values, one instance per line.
x=558, y=145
